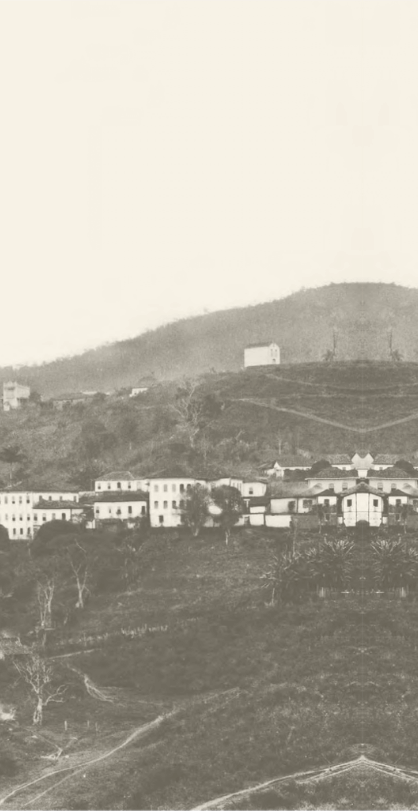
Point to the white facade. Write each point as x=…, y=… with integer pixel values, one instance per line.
x=254, y=488
x=17, y=511
x=122, y=510
x=387, y=485
x=121, y=481
x=14, y=394
x=261, y=355
x=362, y=506
x=167, y=498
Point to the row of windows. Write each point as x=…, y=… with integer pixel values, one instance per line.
x=22, y=517
x=22, y=499
x=118, y=486
x=174, y=505
x=119, y=511
x=182, y=488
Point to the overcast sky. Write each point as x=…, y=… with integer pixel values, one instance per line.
x=162, y=158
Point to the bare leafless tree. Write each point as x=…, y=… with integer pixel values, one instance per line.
x=188, y=410
x=38, y=675
x=81, y=574
x=45, y=594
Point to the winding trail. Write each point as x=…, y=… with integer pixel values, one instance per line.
x=362, y=763
x=324, y=420
x=80, y=767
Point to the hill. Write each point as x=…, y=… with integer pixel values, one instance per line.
x=242, y=420
x=360, y=315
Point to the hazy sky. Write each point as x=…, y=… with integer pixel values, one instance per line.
x=159, y=158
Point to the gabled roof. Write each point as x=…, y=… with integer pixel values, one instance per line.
x=362, y=488
x=397, y=492
x=136, y=495
x=333, y=473
x=116, y=476
x=177, y=472
x=390, y=473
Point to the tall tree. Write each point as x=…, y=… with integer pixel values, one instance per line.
x=12, y=455
x=196, y=509
x=39, y=677
x=229, y=502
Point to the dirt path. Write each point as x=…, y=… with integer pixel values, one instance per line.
x=324, y=420
x=362, y=763
x=80, y=767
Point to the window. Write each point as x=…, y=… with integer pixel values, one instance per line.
x=14, y=531
x=142, y=510
x=165, y=488
x=21, y=517
x=13, y=517
x=331, y=486
x=165, y=505
x=129, y=510
x=35, y=516
x=393, y=486
x=326, y=502
x=129, y=485
x=119, y=485
x=97, y=513
x=398, y=502
x=375, y=502
x=174, y=487
x=109, y=486
x=189, y=486
x=118, y=511
x=60, y=498
x=20, y=500
x=27, y=500
x=345, y=486
x=13, y=500
x=307, y=503
x=174, y=505
x=161, y=519
x=182, y=488
x=380, y=485
x=99, y=486
x=251, y=491
x=54, y=516
x=44, y=517
x=155, y=488
x=21, y=530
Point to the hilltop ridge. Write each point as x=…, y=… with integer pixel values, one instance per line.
x=360, y=315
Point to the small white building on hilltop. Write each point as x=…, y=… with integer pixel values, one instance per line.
x=262, y=354
x=14, y=394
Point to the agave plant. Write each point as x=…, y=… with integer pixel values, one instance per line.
x=331, y=563
x=289, y=577
x=394, y=564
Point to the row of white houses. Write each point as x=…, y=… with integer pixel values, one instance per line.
x=372, y=492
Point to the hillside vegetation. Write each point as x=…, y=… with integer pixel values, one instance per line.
x=360, y=316
x=234, y=421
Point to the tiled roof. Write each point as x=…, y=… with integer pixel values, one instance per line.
x=334, y=473
x=290, y=490
x=136, y=495
x=339, y=459
x=118, y=475
x=390, y=473
x=57, y=505
x=385, y=459
x=362, y=488
x=177, y=472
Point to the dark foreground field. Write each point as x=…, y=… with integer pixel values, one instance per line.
x=224, y=692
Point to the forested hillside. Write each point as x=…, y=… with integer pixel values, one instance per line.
x=362, y=318
x=229, y=421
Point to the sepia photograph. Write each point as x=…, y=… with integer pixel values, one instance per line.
x=209, y=405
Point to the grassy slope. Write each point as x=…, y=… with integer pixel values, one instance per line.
x=244, y=433
x=256, y=692
x=302, y=323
